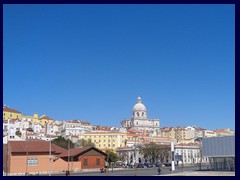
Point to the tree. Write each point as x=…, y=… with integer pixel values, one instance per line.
x=84, y=143
x=18, y=133
x=152, y=152
x=62, y=142
x=111, y=156
x=164, y=152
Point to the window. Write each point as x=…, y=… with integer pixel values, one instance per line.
x=32, y=162
x=10, y=115
x=3, y=114
x=99, y=140
x=85, y=162
x=98, y=162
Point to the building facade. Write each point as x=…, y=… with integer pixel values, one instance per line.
x=74, y=127
x=106, y=139
x=140, y=122
x=220, y=151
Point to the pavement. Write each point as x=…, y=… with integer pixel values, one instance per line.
x=200, y=173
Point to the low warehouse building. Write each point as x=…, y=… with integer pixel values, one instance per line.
x=32, y=157
x=220, y=152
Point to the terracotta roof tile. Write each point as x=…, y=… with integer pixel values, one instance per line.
x=77, y=151
x=34, y=146
x=10, y=110
x=45, y=117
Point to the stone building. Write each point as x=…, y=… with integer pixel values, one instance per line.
x=140, y=122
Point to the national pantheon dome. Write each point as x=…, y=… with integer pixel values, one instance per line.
x=139, y=110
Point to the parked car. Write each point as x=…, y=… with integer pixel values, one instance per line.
x=140, y=165
x=148, y=165
x=158, y=164
x=167, y=164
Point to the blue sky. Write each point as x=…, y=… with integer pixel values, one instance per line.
x=91, y=62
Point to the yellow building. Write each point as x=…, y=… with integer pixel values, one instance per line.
x=9, y=113
x=43, y=120
x=135, y=138
x=13, y=114
x=106, y=139
x=33, y=118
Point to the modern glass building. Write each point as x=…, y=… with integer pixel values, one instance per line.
x=220, y=152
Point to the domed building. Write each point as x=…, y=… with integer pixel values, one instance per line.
x=140, y=122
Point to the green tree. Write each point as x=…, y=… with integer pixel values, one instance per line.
x=165, y=152
x=84, y=143
x=152, y=152
x=111, y=156
x=62, y=142
x=18, y=133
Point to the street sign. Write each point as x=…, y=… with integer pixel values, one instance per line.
x=178, y=157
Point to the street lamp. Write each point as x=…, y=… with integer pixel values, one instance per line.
x=135, y=157
x=7, y=149
x=50, y=152
x=69, y=139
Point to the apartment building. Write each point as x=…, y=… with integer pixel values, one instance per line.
x=9, y=113
x=106, y=139
x=74, y=127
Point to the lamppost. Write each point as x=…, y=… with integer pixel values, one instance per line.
x=7, y=149
x=182, y=157
x=68, y=151
x=50, y=152
x=26, y=152
x=135, y=167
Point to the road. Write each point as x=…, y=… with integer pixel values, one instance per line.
x=139, y=171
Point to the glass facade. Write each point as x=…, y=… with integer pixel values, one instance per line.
x=222, y=163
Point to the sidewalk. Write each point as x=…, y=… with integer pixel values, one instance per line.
x=201, y=173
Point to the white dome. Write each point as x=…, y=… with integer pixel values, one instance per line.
x=139, y=106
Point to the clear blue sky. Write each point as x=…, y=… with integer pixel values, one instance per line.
x=91, y=62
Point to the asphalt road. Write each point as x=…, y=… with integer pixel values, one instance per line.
x=139, y=171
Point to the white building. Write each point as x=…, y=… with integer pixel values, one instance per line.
x=191, y=132
x=75, y=127
x=140, y=122
x=191, y=153
x=37, y=127
x=52, y=129
x=209, y=133
x=12, y=127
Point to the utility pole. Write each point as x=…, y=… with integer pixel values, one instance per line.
x=7, y=149
x=50, y=151
x=135, y=164
x=182, y=157
x=68, y=151
x=200, y=154
x=26, y=153
x=172, y=155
